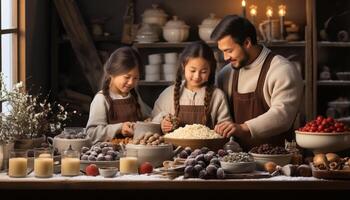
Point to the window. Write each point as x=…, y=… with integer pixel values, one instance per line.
x=9, y=41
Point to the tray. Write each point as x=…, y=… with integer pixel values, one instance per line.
x=329, y=174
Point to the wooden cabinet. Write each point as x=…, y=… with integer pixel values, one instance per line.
x=331, y=50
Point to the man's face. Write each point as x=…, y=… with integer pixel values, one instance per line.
x=233, y=52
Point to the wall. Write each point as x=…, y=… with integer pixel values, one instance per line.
x=37, y=45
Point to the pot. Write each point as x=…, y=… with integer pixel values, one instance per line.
x=175, y=30
x=154, y=16
x=140, y=128
x=5, y=149
x=156, y=155
x=207, y=27
x=62, y=144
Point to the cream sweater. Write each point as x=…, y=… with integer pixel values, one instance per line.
x=164, y=105
x=283, y=91
x=97, y=127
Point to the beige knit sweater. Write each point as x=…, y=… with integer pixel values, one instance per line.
x=165, y=103
x=97, y=127
x=283, y=91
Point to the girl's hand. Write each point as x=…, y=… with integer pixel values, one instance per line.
x=166, y=125
x=127, y=129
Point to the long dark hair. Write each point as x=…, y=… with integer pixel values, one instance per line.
x=121, y=61
x=239, y=28
x=197, y=49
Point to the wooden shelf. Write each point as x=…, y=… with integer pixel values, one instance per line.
x=155, y=83
x=333, y=44
x=333, y=83
x=214, y=44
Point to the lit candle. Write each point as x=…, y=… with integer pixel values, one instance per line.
x=253, y=11
x=128, y=165
x=282, y=13
x=243, y=7
x=269, y=15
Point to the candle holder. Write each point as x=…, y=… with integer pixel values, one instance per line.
x=244, y=8
x=282, y=13
x=253, y=12
x=43, y=163
x=269, y=13
x=18, y=164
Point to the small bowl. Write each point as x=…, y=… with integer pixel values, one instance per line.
x=323, y=142
x=279, y=159
x=343, y=76
x=238, y=167
x=108, y=172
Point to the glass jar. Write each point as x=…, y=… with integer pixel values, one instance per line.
x=70, y=162
x=18, y=164
x=43, y=163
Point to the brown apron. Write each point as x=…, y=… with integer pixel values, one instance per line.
x=190, y=114
x=250, y=105
x=123, y=110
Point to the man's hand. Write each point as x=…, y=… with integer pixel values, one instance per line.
x=229, y=128
x=166, y=125
x=127, y=129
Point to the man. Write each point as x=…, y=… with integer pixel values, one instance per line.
x=264, y=90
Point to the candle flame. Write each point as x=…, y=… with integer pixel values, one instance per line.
x=282, y=10
x=253, y=10
x=269, y=11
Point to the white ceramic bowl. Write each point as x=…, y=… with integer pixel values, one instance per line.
x=169, y=68
x=323, y=142
x=152, y=77
x=155, y=59
x=170, y=58
x=279, y=159
x=238, y=167
x=140, y=128
x=169, y=77
x=63, y=144
x=152, y=69
x=108, y=172
x=156, y=155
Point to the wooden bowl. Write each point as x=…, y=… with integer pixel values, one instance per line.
x=213, y=144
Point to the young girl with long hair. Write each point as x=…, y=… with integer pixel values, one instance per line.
x=194, y=100
x=115, y=108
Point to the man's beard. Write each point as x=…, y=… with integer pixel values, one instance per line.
x=242, y=63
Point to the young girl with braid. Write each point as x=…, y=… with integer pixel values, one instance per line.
x=117, y=105
x=194, y=100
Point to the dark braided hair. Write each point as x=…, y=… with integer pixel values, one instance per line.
x=121, y=61
x=197, y=49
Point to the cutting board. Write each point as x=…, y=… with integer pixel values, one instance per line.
x=329, y=174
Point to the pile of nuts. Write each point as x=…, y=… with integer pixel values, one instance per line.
x=238, y=157
x=269, y=149
x=150, y=138
x=331, y=161
x=117, y=141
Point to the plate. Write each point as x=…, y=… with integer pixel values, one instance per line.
x=329, y=174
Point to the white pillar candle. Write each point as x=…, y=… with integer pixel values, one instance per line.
x=17, y=167
x=70, y=166
x=128, y=165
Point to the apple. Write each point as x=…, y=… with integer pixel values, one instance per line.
x=145, y=168
x=91, y=170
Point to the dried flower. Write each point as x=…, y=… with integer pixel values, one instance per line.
x=29, y=116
